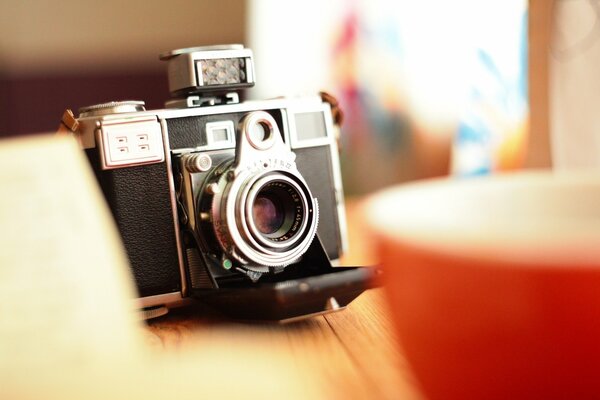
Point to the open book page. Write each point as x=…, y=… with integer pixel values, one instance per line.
x=66, y=327
x=64, y=277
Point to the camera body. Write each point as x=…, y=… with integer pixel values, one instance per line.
x=238, y=204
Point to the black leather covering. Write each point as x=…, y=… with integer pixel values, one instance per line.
x=139, y=200
x=190, y=132
x=314, y=163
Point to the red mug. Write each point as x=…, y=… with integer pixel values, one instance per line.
x=494, y=283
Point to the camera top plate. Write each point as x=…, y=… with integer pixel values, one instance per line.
x=186, y=50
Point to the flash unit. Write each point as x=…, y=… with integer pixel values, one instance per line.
x=198, y=70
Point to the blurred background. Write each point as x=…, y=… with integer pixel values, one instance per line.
x=428, y=87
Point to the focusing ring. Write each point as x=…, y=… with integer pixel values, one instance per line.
x=237, y=232
x=249, y=224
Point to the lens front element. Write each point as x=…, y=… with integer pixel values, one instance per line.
x=267, y=220
x=268, y=214
x=277, y=211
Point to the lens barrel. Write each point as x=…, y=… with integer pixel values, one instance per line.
x=269, y=219
x=262, y=211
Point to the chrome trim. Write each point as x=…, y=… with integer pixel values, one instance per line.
x=184, y=67
x=196, y=162
x=187, y=191
x=165, y=299
x=231, y=229
x=216, y=54
x=229, y=203
x=216, y=147
x=88, y=124
x=337, y=180
x=249, y=225
x=112, y=107
x=250, y=75
x=305, y=143
x=112, y=136
x=184, y=288
x=154, y=312
x=218, y=48
x=287, y=106
x=198, y=76
x=286, y=129
x=322, y=141
x=260, y=118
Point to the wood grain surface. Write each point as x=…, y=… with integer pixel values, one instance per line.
x=348, y=354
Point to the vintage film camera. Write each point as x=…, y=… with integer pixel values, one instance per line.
x=236, y=204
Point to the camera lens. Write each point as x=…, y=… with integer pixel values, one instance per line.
x=264, y=215
x=277, y=211
x=268, y=214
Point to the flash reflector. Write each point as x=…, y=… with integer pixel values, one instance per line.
x=221, y=71
x=197, y=70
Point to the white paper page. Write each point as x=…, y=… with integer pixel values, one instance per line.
x=64, y=277
x=66, y=327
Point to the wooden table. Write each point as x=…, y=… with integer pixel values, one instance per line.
x=348, y=354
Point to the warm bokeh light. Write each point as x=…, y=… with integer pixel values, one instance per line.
x=429, y=87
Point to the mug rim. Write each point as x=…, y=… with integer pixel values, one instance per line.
x=430, y=215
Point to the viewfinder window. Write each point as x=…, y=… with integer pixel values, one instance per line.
x=220, y=134
x=310, y=125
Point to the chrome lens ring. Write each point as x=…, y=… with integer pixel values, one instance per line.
x=241, y=234
x=291, y=214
